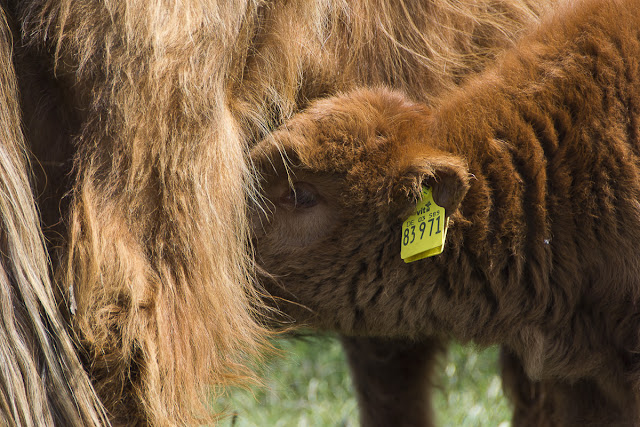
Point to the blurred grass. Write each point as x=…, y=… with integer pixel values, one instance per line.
x=309, y=385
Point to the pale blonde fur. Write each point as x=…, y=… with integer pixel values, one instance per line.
x=41, y=379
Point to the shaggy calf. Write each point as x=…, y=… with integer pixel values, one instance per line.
x=141, y=113
x=537, y=165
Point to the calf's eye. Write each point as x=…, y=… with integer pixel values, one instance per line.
x=301, y=196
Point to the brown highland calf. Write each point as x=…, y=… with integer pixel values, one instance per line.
x=140, y=112
x=537, y=165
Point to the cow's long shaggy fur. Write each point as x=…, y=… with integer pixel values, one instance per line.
x=537, y=164
x=41, y=379
x=155, y=258
x=160, y=102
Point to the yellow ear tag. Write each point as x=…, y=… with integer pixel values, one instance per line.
x=424, y=232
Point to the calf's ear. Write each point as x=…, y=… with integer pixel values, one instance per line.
x=447, y=175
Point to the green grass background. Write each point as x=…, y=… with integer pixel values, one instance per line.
x=308, y=384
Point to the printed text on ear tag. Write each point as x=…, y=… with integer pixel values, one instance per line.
x=424, y=232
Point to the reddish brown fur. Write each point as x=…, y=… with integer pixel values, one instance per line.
x=536, y=161
x=393, y=379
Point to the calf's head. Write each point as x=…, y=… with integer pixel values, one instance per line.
x=338, y=180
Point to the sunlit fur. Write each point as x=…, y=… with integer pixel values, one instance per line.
x=537, y=163
x=157, y=103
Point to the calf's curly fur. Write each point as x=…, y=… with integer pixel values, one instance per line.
x=536, y=163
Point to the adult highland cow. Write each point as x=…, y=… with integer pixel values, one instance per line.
x=156, y=104
x=537, y=165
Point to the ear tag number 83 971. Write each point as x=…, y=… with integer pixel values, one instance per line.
x=424, y=232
